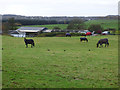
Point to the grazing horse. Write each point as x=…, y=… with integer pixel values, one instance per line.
x=103, y=41
x=68, y=34
x=83, y=39
x=29, y=41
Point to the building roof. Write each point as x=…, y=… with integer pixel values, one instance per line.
x=31, y=29
x=13, y=32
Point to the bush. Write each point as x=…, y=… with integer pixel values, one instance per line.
x=58, y=34
x=52, y=34
x=95, y=27
x=77, y=34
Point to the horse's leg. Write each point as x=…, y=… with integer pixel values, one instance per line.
x=105, y=44
x=26, y=46
x=31, y=45
x=101, y=45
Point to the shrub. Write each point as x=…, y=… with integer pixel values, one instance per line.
x=95, y=27
x=77, y=34
x=52, y=34
x=58, y=34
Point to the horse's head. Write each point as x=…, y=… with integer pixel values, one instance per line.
x=86, y=39
x=24, y=39
x=97, y=45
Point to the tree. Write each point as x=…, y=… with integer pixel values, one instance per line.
x=5, y=27
x=96, y=27
x=11, y=23
x=76, y=24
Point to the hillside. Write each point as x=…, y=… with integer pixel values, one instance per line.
x=104, y=23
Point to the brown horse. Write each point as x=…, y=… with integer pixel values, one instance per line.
x=103, y=41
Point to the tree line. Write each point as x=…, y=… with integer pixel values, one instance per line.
x=36, y=22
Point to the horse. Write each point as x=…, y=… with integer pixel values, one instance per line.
x=83, y=39
x=103, y=41
x=68, y=34
x=29, y=41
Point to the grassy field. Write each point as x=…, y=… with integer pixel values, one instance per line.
x=60, y=62
x=51, y=26
x=104, y=23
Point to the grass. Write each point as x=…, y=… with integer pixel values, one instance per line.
x=51, y=26
x=60, y=62
x=104, y=23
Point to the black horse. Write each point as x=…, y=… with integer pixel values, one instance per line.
x=83, y=39
x=103, y=41
x=68, y=34
x=29, y=41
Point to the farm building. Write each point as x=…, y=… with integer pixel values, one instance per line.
x=27, y=31
x=47, y=31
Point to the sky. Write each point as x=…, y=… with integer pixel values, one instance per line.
x=59, y=7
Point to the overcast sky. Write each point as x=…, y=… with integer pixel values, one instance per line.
x=59, y=7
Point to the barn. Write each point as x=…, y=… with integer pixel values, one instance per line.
x=28, y=31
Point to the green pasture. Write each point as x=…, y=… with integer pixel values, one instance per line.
x=59, y=62
x=104, y=23
x=50, y=26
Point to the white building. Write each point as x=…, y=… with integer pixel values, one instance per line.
x=27, y=31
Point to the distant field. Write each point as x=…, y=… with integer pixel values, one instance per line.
x=104, y=23
x=59, y=62
x=51, y=26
